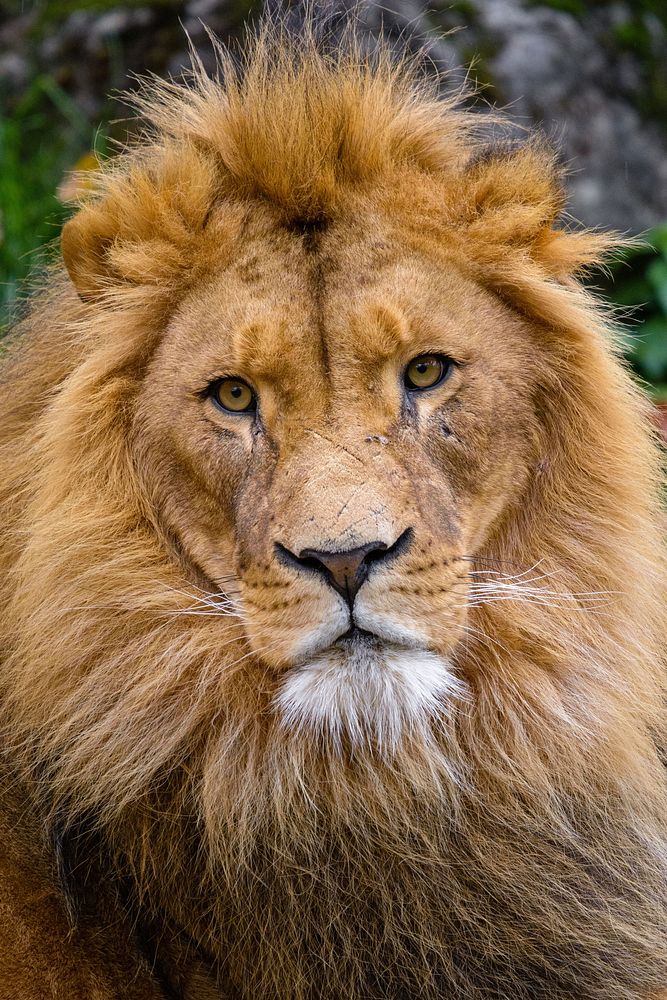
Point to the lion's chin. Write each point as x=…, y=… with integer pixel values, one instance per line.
x=366, y=692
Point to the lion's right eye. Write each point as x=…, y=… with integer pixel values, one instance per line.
x=233, y=396
x=427, y=371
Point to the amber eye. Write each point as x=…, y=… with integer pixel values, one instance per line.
x=233, y=395
x=427, y=371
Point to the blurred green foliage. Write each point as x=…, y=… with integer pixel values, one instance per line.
x=639, y=281
x=41, y=137
x=49, y=11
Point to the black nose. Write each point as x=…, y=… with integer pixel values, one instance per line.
x=346, y=571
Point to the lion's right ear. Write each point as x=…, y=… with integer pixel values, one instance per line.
x=145, y=227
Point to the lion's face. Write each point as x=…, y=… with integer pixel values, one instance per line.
x=339, y=509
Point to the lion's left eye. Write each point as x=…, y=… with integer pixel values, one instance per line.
x=427, y=371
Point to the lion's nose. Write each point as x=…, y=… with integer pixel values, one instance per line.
x=347, y=570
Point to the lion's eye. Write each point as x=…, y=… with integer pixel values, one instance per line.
x=233, y=395
x=427, y=371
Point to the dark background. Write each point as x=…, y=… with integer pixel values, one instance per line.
x=592, y=75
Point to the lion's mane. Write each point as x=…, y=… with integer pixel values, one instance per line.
x=528, y=847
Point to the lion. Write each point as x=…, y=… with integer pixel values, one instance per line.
x=333, y=619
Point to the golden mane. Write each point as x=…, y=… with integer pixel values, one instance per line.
x=130, y=717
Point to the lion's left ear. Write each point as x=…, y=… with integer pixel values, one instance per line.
x=512, y=200
x=141, y=231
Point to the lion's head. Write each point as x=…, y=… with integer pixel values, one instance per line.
x=328, y=433
x=333, y=574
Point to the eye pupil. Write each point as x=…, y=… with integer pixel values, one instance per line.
x=236, y=391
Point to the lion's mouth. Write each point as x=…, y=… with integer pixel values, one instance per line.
x=371, y=637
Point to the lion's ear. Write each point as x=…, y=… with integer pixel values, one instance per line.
x=514, y=191
x=85, y=243
x=512, y=201
x=142, y=229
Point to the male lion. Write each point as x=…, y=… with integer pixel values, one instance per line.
x=332, y=569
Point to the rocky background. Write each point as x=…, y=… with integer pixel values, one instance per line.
x=592, y=74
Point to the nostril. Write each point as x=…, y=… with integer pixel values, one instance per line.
x=311, y=562
x=373, y=555
x=395, y=549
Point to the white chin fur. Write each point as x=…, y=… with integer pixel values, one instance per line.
x=366, y=695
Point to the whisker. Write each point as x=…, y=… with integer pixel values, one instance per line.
x=199, y=613
x=512, y=590
x=510, y=593
x=516, y=576
x=208, y=598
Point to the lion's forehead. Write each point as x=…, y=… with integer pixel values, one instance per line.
x=308, y=320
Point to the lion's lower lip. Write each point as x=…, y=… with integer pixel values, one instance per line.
x=356, y=636
x=357, y=639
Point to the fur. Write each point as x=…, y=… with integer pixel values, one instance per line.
x=316, y=220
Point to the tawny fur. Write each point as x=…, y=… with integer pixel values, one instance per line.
x=514, y=846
